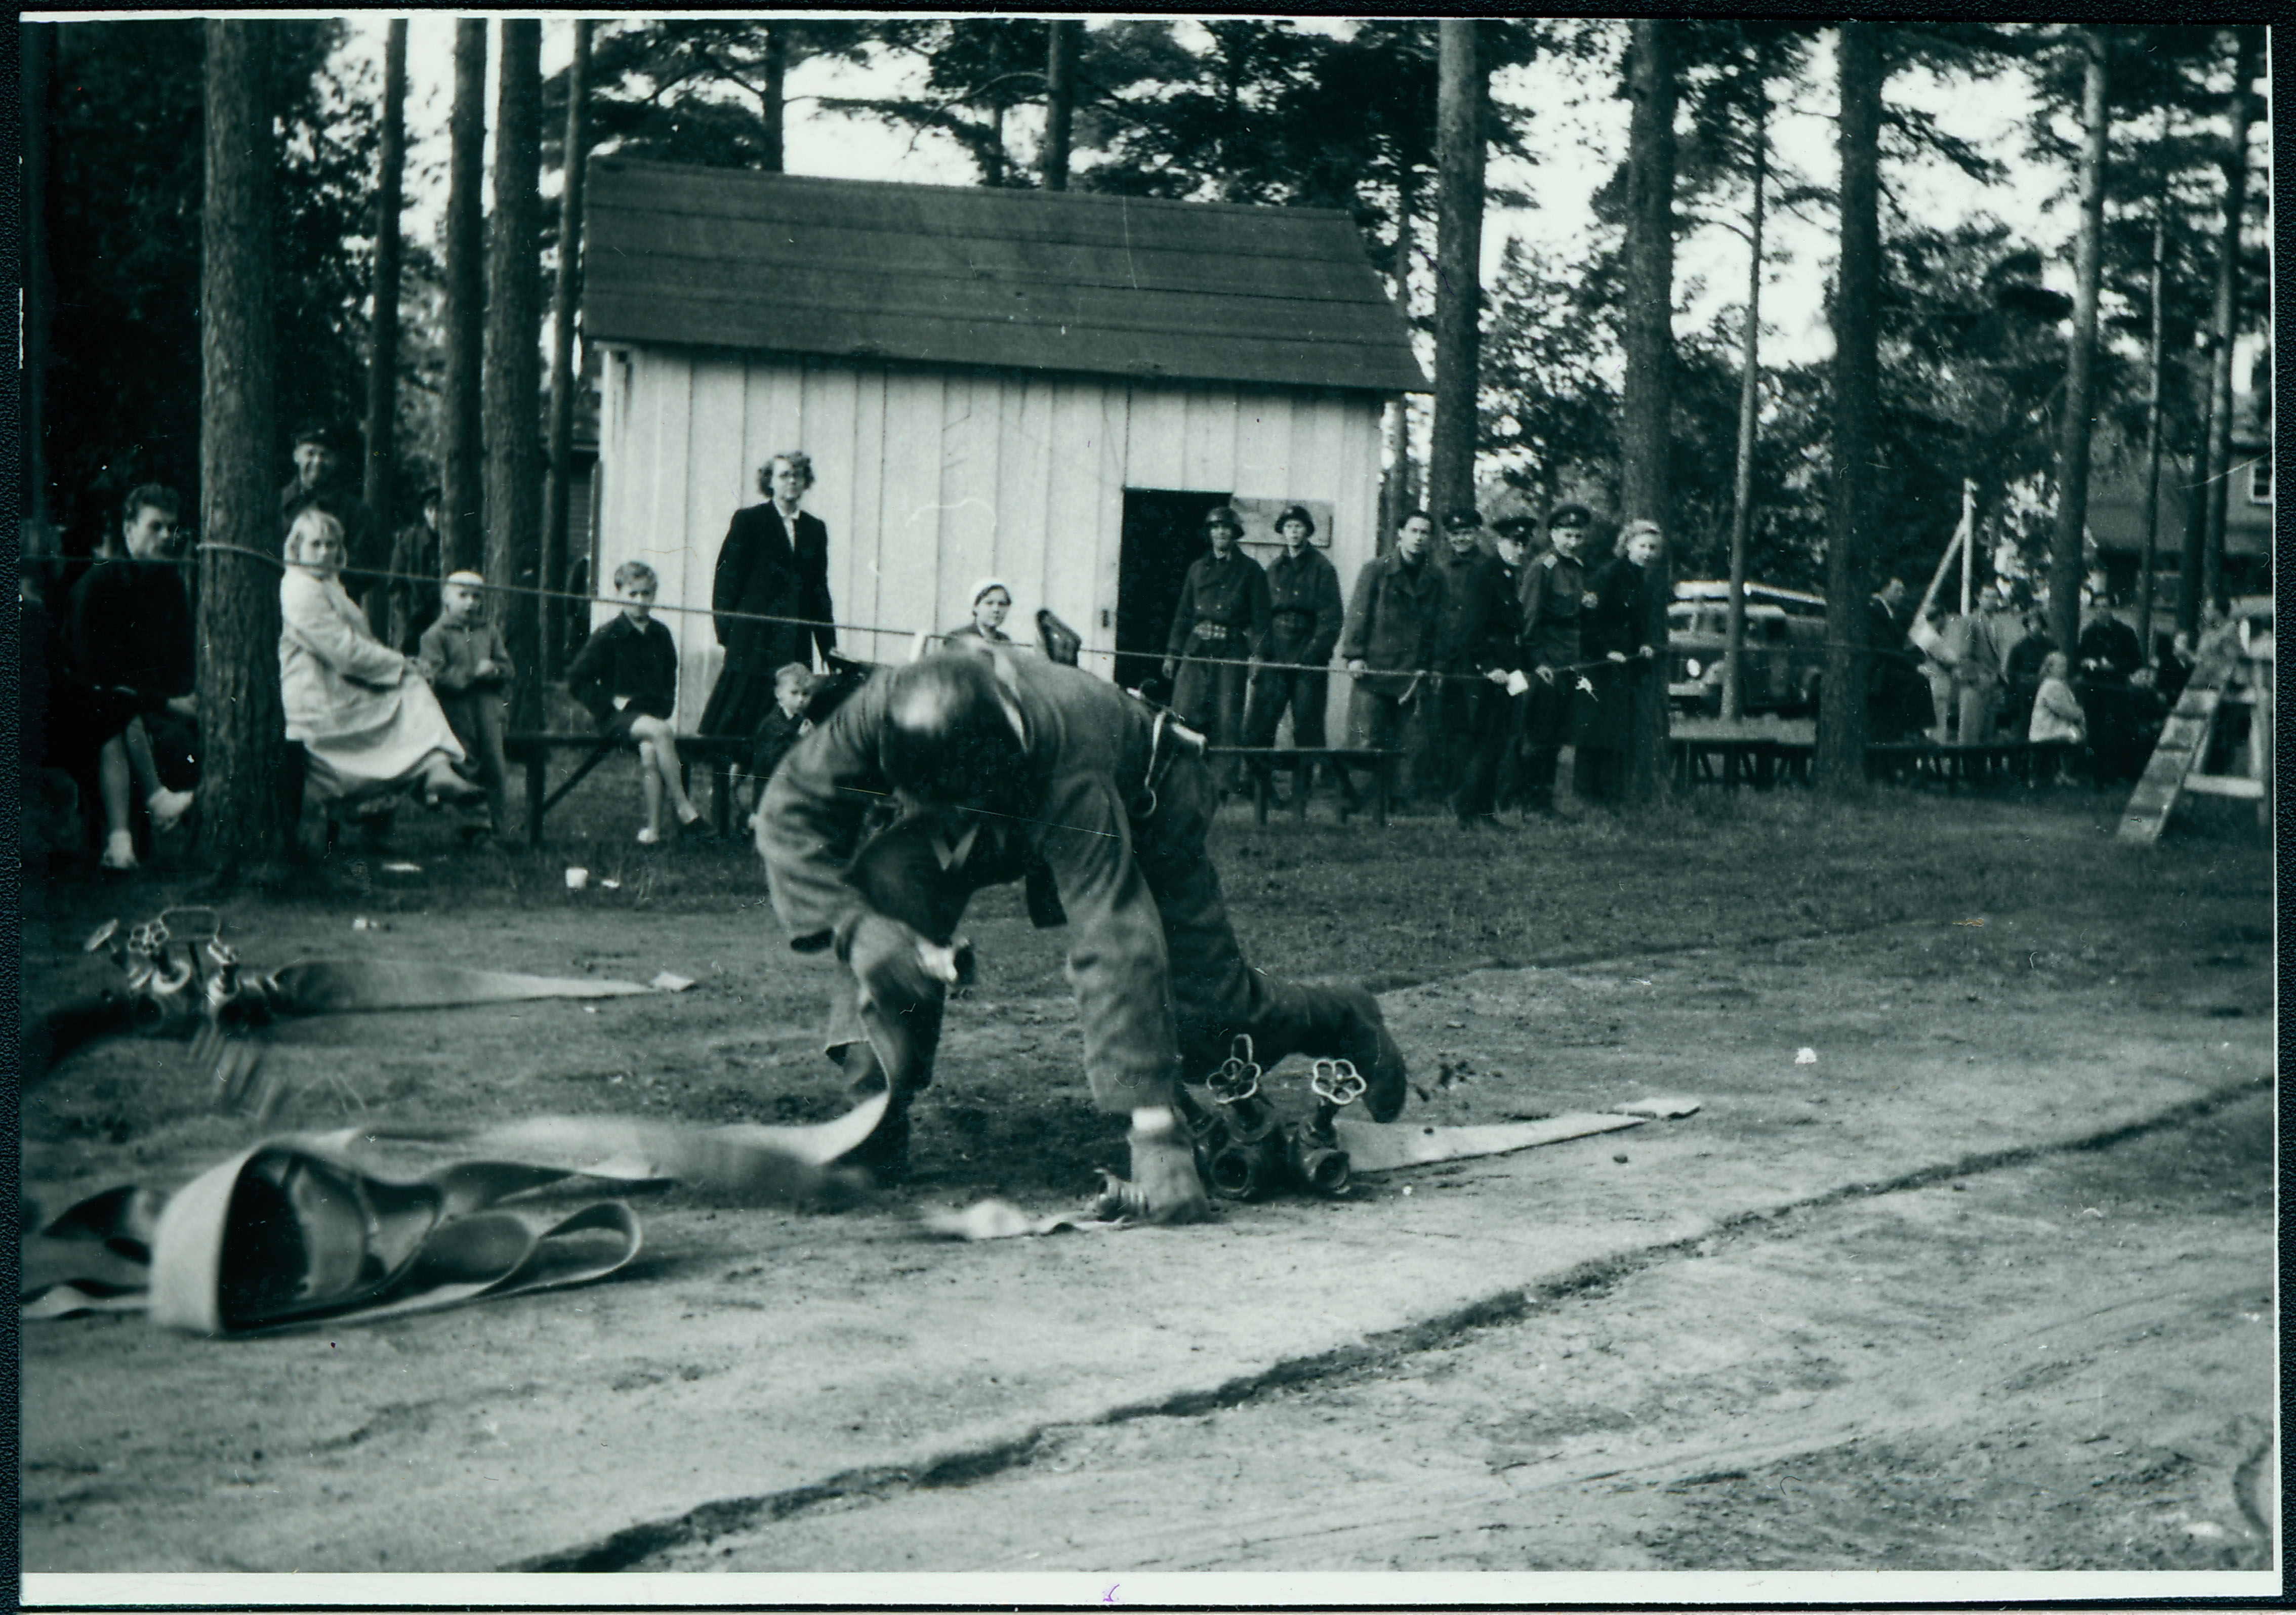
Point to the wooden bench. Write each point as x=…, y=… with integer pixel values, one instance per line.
x=2022, y=762
x=1261, y=763
x=534, y=749
x=1760, y=761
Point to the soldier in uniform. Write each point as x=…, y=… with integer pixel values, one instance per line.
x=1469, y=575
x=990, y=761
x=1552, y=586
x=1304, y=616
x=1495, y=652
x=1388, y=640
x=1219, y=624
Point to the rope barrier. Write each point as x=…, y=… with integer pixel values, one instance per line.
x=538, y=594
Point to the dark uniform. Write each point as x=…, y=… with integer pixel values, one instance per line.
x=1493, y=643
x=1896, y=693
x=412, y=592
x=133, y=648
x=2107, y=654
x=1305, y=613
x=1390, y=628
x=1554, y=587
x=1222, y=614
x=1469, y=582
x=1115, y=804
x=1615, y=618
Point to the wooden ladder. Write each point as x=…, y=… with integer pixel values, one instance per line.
x=2184, y=748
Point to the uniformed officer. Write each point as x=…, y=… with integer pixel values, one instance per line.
x=1388, y=640
x=1220, y=623
x=1304, y=614
x=987, y=762
x=1551, y=589
x=1495, y=653
x=1470, y=573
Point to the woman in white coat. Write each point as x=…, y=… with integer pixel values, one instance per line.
x=367, y=721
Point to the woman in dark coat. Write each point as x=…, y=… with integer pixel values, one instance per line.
x=775, y=562
x=1619, y=622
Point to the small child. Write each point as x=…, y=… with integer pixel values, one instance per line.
x=2056, y=711
x=627, y=675
x=780, y=728
x=463, y=656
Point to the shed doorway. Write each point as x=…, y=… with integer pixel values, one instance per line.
x=1163, y=535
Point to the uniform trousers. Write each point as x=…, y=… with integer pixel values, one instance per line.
x=1545, y=725
x=1208, y=695
x=1493, y=721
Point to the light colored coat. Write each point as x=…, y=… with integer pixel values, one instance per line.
x=336, y=680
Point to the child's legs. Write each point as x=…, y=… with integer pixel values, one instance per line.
x=658, y=760
x=487, y=709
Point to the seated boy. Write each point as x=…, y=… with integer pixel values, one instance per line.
x=470, y=670
x=780, y=728
x=627, y=675
x=132, y=643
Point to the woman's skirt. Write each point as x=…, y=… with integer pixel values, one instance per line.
x=738, y=703
x=386, y=758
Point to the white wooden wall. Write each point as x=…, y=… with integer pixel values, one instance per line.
x=930, y=479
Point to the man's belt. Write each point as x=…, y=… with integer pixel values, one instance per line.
x=1215, y=630
x=1297, y=613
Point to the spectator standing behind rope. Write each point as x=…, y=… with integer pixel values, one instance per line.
x=366, y=549
x=1896, y=694
x=1220, y=623
x=2021, y=671
x=1553, y=593
x=1494, y=654
x=415, y=564
x=132, y=645
x=1616, y=626
x=774, y=563
x=2108, y=653
x=368, y=724
x=470, y=670
x=1388, y=641
x=1305, y=615
x=1456, y=700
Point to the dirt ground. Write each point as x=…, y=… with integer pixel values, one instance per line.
x=1986, y=1288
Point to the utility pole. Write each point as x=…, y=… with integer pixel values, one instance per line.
x=1060, y=99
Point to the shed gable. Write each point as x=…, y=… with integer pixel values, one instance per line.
x=726, y=258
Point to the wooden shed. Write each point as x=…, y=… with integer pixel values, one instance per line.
x=1047, y=388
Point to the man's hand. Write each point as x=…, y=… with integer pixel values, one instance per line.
x=892, y=961
x=1356, y=664
x=184, y=706
x=1497, y=676
x=1618, y=655
x=486, y=668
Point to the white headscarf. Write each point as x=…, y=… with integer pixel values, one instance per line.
x=972, y=600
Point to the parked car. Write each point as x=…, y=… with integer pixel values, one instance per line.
x=1780, y=664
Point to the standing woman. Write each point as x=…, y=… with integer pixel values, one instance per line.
x=1615, y=624
x=774, y=563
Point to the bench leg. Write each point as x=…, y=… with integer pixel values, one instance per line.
x=537, y=781
x=1262, y=781
x=721, y=800
x=1381, y=789
x=1303, y=779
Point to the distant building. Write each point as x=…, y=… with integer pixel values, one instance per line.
x=1051, y=387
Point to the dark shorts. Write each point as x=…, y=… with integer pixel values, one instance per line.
x=617, y=727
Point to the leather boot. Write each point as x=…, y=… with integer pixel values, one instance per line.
x=1334, y=1023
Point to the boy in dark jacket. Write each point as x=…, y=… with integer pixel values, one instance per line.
x=780, y=728
x=627, y=675
x=470, y=670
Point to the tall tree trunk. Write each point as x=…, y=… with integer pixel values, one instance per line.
x=462, y=494
x=244, y=815
x=1458, y=263
x=1060, y=99
x=38, y=42
x=512, y=365
x=565, y=386
x=1749, y=403
x=2065, y=569
x=382, y=353
x=1399, y=492
x=2154, y=396
x=2225, y=322
x=1842, y=711
x=1647, y=422
x=774, y=102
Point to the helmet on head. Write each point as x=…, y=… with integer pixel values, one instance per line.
x=949, y=737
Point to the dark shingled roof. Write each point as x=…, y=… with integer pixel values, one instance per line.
x=1110, y=285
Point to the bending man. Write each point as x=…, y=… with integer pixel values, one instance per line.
x=990, y=762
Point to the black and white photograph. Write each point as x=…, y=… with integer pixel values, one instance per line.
x=850, y=809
